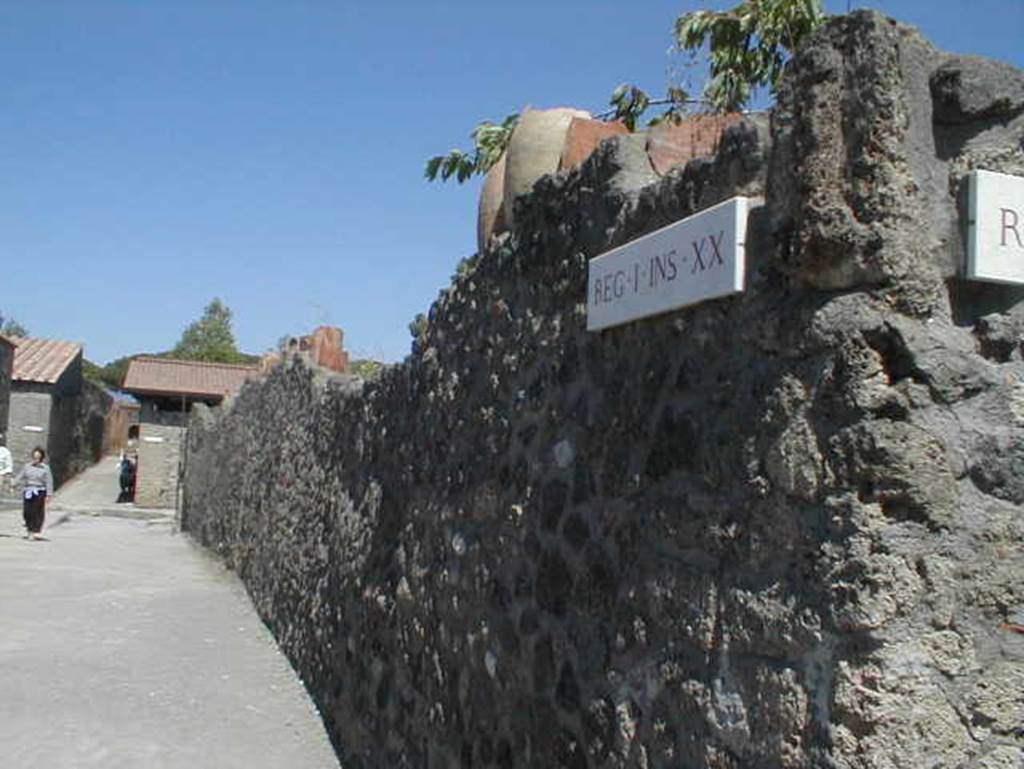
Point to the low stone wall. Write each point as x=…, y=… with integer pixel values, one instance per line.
x=160, y=458
x=28, y=425
x=6, y=367
x=83, y=424
x=781, y=529
x=67, y=420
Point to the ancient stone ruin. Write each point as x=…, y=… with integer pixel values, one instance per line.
x=324, y=348
x=780, y=529
x=555, y=140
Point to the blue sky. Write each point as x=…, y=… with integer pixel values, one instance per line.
x=156, y=154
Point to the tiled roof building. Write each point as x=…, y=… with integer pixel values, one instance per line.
x=42, y=360
x=185, y=378
x=45, y=398
x=167, y=388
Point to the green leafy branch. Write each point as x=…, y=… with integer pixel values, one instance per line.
x=629, y=104
x=490, y=140
x=489, y=143
x=748, y=47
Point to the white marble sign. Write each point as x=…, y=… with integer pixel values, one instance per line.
x=153, y=439
x=697, y=258
x=995, y=230
x=33, y=429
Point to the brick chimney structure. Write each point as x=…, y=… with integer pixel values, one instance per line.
x=324, y=348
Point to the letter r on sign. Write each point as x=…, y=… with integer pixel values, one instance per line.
x=1009, y=222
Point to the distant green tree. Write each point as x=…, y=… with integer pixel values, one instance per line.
x=210, y=338
x=367, y=369
x=11, y=327
x=92, y=371
x=112, y=375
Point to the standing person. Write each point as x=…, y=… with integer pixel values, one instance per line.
x=6, y=467
x=135, y=475
x=37, y=487
x=127, y=479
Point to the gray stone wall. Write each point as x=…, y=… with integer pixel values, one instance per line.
x=777, y=530
x=30, y=409
x=71, y=413
x=6, y=365
x=83, y=419
x=151, y=413
x=159, y=451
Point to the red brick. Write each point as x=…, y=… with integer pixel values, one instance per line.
x=325, y=348
x=671, y=145
x=582, y=138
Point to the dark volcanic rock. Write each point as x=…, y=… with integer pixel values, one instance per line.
x=781, y=529
x=969, y=88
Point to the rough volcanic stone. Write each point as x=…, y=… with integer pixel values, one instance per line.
x=788, y=532
x=966, y=88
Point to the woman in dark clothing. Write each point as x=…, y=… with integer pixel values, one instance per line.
x=127, y=480
x=36, y=487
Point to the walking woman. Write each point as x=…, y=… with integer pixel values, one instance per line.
x=37, y=485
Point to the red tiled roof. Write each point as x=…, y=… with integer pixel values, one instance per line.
x=167, y=376
x=42, y=360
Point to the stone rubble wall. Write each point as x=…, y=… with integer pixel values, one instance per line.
x=159, y=465
x=6, y=370
x=782, y=529
x=30, y=409
x=69, y=424
x=698, y=136
x=84, y=418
